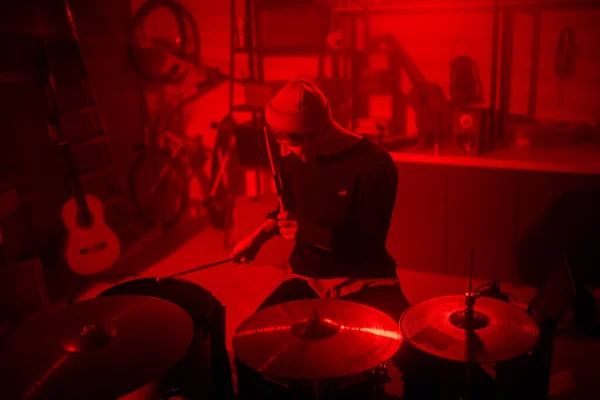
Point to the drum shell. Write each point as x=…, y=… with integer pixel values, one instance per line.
x=366, y=386
x=204, y=371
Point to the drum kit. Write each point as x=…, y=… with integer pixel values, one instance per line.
x=109, y=347
x=323, y=340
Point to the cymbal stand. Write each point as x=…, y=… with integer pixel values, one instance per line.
x=470, y=299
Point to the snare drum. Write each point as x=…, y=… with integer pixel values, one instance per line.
x=368, y=385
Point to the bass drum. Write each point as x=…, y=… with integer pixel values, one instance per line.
x=366, y=386
x=204, y=371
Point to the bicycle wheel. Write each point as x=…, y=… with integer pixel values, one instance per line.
x=159, y=188
x=186, y=46
x=193, y=35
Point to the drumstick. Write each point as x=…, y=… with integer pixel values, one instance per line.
x=195, y=269
x=276, y=176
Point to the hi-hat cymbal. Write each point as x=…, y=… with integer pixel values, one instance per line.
x=316, y=339
x=501, y=331
x=95, y=349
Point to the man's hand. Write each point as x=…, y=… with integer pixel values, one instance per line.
x=288, y=225
x=292, y=227
x=246, y=250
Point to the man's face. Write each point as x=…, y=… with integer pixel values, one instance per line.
x=301, y=145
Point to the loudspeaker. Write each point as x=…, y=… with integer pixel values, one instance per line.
x=468, y=129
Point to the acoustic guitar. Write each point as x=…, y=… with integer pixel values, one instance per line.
x=91, y=246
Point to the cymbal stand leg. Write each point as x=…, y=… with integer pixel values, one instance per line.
x=468, y=382
x=470, y=299
x=318, y=390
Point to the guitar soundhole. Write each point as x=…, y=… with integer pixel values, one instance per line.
x=92, y=249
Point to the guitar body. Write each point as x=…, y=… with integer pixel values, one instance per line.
x=91, y=248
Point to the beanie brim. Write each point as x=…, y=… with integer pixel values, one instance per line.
x=298, y=122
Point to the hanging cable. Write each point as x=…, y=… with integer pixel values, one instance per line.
x=185, y=47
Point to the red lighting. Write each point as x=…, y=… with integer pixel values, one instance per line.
x=44, y=377
x=269, y=329
x=375, y=331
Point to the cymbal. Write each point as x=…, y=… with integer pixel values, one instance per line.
x=99, y=348
x=316, y=339
x=501, y=331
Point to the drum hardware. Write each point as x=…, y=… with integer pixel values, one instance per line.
x=469, y=329
x=94, y=349
x=381, y=378
x=368, y=385
x=469, y=321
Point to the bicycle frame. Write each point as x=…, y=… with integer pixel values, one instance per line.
x=192, y=80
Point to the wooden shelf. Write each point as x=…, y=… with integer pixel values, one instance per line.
x=576, y=160
x=481, y=6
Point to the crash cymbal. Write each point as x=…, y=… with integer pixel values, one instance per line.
x=95, y=349
x=500, y=331
x=316, y=339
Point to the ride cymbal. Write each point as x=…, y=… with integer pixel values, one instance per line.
x=316, y=339
x=500, y=331
x=95, y=349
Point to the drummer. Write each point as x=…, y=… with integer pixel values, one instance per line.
x=339, y=191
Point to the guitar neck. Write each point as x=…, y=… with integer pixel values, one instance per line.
x=56, y=135
x=75, y=183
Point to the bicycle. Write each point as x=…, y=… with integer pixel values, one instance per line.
x=168, y=160
x=160, y=181
x=186, y=45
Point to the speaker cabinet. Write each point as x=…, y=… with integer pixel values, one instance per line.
x=468, y=129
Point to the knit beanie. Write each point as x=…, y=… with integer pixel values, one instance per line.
x=299, y=107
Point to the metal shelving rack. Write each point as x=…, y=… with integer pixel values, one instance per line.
x=503, y=14
x=256, y=51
